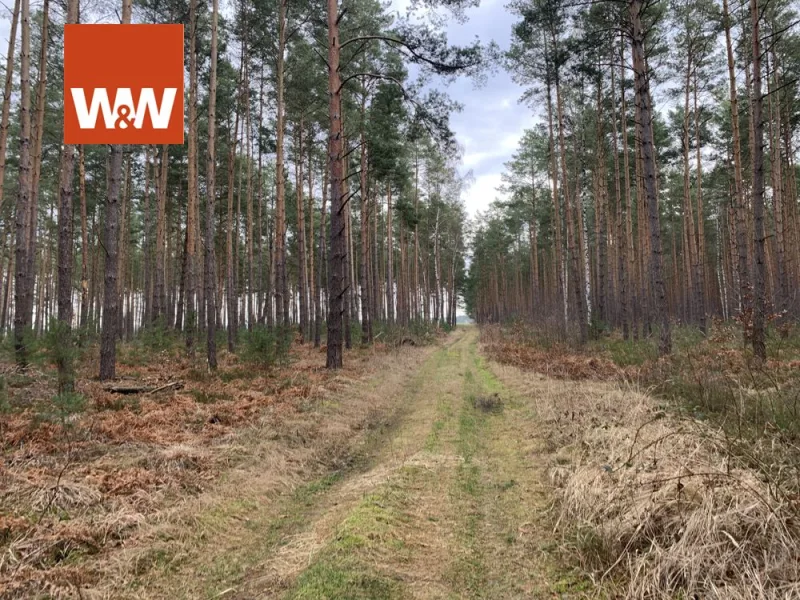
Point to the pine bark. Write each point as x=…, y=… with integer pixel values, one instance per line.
x=192, y=210
x=649, y=172
x=301, y=238
x=22, y=290
x=756, y=101
x=336, y=161
x=281, y=285
x=211, y=198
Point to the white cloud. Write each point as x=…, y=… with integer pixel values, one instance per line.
x=490, y=148
x=482, y=193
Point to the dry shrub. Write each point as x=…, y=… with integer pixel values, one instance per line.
x=659, y=505
x=557, y=360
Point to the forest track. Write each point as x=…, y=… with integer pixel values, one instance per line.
x=454, y=504
x=432, y=498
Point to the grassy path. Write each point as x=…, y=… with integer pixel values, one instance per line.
x=441, y=499
x=454, y=505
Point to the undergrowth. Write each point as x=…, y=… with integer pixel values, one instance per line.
x=717, y=472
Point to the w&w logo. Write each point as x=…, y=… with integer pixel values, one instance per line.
x=136, y=100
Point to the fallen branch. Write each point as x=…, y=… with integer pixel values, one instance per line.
x=172, y=384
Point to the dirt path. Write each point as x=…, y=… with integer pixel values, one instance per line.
x=442, y=500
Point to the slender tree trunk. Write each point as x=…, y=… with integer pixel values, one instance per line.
x=22, y=312
x=37, y=134
x=347, y=299
x=701, y=236
x=160, y=290
x=147, y=250
x=192, y=210
x=559, y=244
x=211, y=198
x=690, y=234
x=260, y=246
x=65, y=230
x=301, y=237
x=389, y=258
x=230, y=284
x=281, y=286
x=336, y=260
x=759, y=309
x=629, y=254
x=312, y=287
x=376, y=314
x=250, y=312
x=84, y=239
x=600, y=217
x=108, y=341
x=622, y=209
x=322, y=257
x=778, y=210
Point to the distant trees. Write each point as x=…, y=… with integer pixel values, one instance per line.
x=664, y=209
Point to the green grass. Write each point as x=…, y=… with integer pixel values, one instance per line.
x=344, y=568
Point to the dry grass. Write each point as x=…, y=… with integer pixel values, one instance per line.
x=82, y=496
x=657, y=506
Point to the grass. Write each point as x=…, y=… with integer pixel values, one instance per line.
x=689, y=489
x=344, y=568
x=713, y=377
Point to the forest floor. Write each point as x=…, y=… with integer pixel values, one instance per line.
x=414, y=472
x=424, y=472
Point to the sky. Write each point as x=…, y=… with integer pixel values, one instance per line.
x=492, y=121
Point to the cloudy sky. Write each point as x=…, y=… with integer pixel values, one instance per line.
x=492, y=121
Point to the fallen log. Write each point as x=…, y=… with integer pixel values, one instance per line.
x=134, y=387
x=128, y=387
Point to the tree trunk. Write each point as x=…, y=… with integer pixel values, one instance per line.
x=108, y=356
x=301, y=237
x=22, y=300
x=759, y=309
x=281, y=286
x=312, y=287
x=701, y=236
x=192, y=210
x=600, y=216
x=84, y=239
x=108, y=341
x=389, y=258
x=211, y=198
x=561, y=299
x=321, y=262
x=336, y=160
x=632, y=295
x=160, y=288
x=692, y=279
x=249, y=231
x=65, y=232
x=649, y=172
x=36, y=158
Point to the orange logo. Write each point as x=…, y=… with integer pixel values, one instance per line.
x=123, y=84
